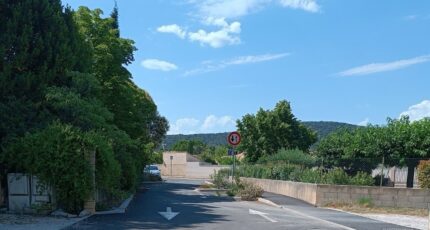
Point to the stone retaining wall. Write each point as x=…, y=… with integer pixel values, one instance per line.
x=322, y=194
x=302, y=191
x=380, y=196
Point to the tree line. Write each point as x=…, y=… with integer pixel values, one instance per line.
x=400, y=142
x=65, y=93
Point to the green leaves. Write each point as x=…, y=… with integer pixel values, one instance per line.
x=270, y=130
x=65, y=93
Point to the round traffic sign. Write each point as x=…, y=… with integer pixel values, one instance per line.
x=233, y=138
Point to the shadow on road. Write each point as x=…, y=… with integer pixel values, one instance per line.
x=153, y=198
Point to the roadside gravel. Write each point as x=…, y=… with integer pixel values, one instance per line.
x=403, y=220
x=24, y=222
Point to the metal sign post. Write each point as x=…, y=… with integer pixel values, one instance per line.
x=171, y=164
x=233, y=139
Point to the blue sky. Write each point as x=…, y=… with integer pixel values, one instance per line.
x=207, y=63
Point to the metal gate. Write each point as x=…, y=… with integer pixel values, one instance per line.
x=25, y=191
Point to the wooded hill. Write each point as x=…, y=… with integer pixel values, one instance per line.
x=323, y=128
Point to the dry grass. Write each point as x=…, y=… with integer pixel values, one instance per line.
x=207, y=186
x=378, y=210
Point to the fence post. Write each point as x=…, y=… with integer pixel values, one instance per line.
x=428, y=223
x=382, y=171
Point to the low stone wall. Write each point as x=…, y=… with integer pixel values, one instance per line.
x=322, y=194
x=302, y=191
x=380, y=196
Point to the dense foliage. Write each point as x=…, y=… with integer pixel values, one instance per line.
x=303, y=174
x=64, y=93
x=424, y=174
x=291, y=156
x=399, y=143
x=210, y=154
x=268, y=131
x=193, y=147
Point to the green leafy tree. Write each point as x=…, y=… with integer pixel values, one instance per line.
x=270, y=130
x=65, y=92
x=194, y=147
x=399, y=143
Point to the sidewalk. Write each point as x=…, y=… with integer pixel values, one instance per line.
x=342, y=218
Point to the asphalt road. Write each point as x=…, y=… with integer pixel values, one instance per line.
x=201, y=211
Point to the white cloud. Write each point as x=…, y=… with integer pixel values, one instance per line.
x=155, y=64
x=306, y=5
x=228, y=8
x=418, y=111
x=216, y=13
x=210, y=66
x=239, y=8
x=174, y=29
x=211, y=124
x=383, y=67
x=364, y=122
x=226, y=35
x=184, y=126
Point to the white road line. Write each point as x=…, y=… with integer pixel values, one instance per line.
x=262, y=214
x=318, y=219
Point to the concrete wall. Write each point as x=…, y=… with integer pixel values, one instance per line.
x=202, y=171
x=302, y=191
x=380, y=196
x=174, y=166
x=321, y=194
x=185, y=165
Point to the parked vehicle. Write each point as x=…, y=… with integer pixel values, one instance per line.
x=152, y=170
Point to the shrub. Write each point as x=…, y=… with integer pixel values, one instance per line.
x=220, y=178
x=424, y=174
x=290, y=156
x=249, y=191
x=337, y=176
x=225, y=160
x=58, y=156
x=362, y=178
x=311, y=176
x=365, y=202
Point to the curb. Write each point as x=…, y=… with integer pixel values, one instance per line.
x=268, y=202
x=153, y=182
x=120, y=210
x=211, y=190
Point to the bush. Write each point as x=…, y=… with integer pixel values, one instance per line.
x=290, y=156
x=249, y=191
x=220, y=178
x=311, y=176
x=424, y=174
x=225, y=160
x=58, y=156
x=337, y=176
x=362, y=178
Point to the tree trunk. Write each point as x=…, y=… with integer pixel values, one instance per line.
x=411, y=171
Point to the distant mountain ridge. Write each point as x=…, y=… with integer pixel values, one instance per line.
x=323, y=128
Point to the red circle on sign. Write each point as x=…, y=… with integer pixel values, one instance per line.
x=233, y=138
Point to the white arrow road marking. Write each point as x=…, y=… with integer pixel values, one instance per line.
x=168, y=214
x=262, y=214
